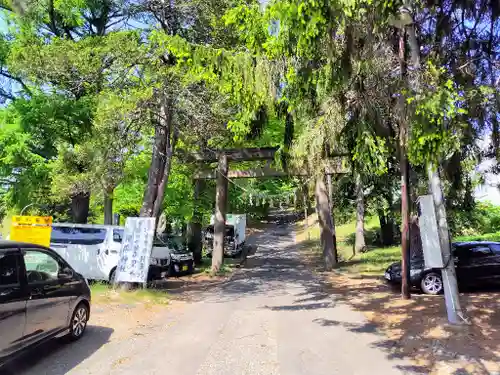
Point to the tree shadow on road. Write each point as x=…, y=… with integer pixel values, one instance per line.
x=418, y=328
x=58, y=357
x=264, y=272
x=415, y=329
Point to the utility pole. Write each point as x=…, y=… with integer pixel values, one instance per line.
x=454, y=311
x=451, y=297
x=404, y=170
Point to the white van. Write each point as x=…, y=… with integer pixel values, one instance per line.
x=235, y=236
x=94, y=250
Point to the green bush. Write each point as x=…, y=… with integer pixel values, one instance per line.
x=484, y=218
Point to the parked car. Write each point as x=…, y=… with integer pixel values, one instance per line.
x=94, y=250
x=181, y=259
x=476, y=263
x=234, y=238
x=41, y=297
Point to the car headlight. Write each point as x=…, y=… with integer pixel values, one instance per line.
x=175, y=256
x=154, y=262
x=414, y=272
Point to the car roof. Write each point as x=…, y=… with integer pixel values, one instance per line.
x=6, y=244
x=95, y=226
x=471, y=243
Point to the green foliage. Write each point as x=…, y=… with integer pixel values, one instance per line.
x=479, y=237
x=87, y=89
x=484, y=218
x=116, y=133
x=372, y=262
x=249, y=21
x=370, y=153
x=256, y=197
x=242, y=78
x=435, y=133
x=23, y=172
x=71, y=171
x=50, y=118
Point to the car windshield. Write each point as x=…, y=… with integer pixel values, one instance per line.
x=77, y=235
x=229, y=230
x=175, y=243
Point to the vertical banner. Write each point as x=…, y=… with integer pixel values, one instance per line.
x=135, y=252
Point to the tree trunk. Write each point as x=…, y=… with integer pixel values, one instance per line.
x=194, y=230
x=405, y=226
x=80, y=204
x=108, y=207
x=330, y=201
x=306, y=202
x=325, y=224
x=220, y=214
x=416, y=248
x=194, y=241
x=160, y=196
x=156, y=170
x=306, y=213
x=386, y=228
x=495, y=136
x=359, y=244
x=160, y=193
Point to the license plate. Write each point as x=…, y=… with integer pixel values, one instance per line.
x=185, y=268
x=387, y=275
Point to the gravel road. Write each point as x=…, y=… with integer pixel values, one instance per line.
x=272, y=318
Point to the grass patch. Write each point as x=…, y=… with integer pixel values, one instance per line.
x=372, y=262
x=105, y=293
x=479, y=237
x=227, y=267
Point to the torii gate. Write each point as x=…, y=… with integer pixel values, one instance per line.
x=223, y=157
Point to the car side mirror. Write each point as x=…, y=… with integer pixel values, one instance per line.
x=65, y=273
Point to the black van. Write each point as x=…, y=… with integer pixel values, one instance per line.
x=41, y=297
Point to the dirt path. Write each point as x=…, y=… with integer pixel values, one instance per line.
x=273, y=317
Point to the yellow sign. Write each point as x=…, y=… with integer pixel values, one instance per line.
x=31, y=229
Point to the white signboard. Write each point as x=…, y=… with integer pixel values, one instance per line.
x=429, y=232
x=135, y=253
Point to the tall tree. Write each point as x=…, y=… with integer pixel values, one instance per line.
x=359, y=243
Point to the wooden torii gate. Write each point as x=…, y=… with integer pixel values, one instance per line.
x=323, y=194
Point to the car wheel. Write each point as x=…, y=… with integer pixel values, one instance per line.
x=432, y=283
x=78, y=322
x=112, y=276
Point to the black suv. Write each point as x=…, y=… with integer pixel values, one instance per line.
x=41, y=297
x=476, y=263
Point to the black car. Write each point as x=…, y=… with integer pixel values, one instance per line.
x=476, y=264
x=41, y=297
x=181, y=259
